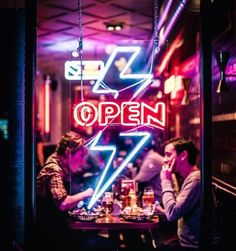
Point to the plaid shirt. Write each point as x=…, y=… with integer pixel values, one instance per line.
x=50, y=180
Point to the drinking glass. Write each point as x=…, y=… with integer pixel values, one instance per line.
x=148, y=197
x=107, y=202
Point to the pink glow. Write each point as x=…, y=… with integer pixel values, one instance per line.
x=47, y=106
x=175, y=45
x=173, y=85
x=169, y=84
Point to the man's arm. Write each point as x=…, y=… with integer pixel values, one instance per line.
x=176, y=207
x=59, y=194
x=70, y=201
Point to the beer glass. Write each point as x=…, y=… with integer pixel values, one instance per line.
x=148, y=197
x=107, y=202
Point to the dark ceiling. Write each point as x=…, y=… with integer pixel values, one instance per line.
x=58, y=26
x=59, y=29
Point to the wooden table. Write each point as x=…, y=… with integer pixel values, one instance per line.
x=115, y=225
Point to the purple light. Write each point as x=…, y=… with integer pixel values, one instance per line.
x=164, y=14
x=173, y=20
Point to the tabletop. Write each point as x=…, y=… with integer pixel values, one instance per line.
x=113, y=223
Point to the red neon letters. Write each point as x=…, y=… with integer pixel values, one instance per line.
x=126, y=114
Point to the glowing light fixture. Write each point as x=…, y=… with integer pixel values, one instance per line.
x=75, y=54
x=222, y=58
x=100, y=190
x=118, y=27
x=173, y=19
x=114, y=26
x=175, y=45
x=127, y=114
x=145, y=79
x=47, y=104
x=169, y=84
x=164, y=14
x=174, y=84
x=96, y=147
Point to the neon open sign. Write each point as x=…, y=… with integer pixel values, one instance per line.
x=127, y=114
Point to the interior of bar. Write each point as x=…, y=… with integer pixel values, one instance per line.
x=117, y=125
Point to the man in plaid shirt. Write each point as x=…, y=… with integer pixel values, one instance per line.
x=53, y=192
x=53, y=179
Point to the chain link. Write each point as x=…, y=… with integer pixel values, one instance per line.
x=80, y=47
x=156, y=19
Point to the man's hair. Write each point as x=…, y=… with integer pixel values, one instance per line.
x=184, y=144
x=71, y=140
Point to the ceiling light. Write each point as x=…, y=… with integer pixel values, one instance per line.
x=74, y=54
x=110, y=27
x=118, y=27
x=114, y=26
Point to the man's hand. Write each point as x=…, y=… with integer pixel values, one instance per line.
x=88, y=192
x=159, y=209
x=166, y=172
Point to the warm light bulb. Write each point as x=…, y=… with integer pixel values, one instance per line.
x=114, y=27
x=159, y=94
x=110, y=28
x=118, y=27
x=74, y=54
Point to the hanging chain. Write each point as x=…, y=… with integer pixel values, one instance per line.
x=156, y=19
x=80, y=47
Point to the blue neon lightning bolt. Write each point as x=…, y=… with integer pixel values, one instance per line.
x=146, y=78
x=98, y=193
x=95, y=147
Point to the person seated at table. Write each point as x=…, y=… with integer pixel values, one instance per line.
x=180, y=158
x=150, y=169
x=87, y=177
x=149, y=176
x=54, y=198
x=149, y=173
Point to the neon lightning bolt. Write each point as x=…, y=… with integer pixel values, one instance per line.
x=146, y=78
x=95, y=147
x=98, y=193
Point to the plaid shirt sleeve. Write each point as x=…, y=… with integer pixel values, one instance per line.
x=50, y=182
x=56, y=186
